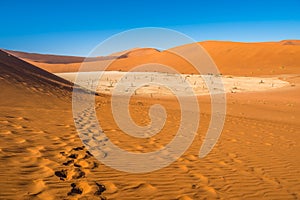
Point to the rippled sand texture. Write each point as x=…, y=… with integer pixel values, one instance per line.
x=42, y=156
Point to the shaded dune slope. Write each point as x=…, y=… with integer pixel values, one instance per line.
x=15, y=70
x=22, y=81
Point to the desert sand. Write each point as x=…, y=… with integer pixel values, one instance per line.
x=256, y=157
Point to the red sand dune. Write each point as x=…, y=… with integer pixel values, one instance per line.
x=236, y=58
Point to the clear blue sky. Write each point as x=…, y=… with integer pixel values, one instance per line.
x=75, y=27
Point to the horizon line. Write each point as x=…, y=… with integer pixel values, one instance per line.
x=74, y=55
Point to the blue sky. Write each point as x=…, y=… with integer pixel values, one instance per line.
x=75, y=27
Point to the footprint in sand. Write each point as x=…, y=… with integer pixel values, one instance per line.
x=77, y=163
x=101, y=189
x=111, y=188
x=62, y=174
x=77, y=173
x=75, y=190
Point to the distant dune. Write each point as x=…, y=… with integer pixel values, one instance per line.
x=56, y=59
x=255, y=58
x=236, y=58
x=290, y=42
x=135, y=52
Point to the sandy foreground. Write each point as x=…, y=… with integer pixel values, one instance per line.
x=42, y=156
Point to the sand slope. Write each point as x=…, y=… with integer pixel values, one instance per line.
x=17, y=72
x=35, y=125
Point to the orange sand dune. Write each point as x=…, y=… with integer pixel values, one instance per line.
x=42, y=156
x=255, y=58
x=236, y=58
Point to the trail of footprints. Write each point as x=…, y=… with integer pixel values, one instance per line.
x=76, y=166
